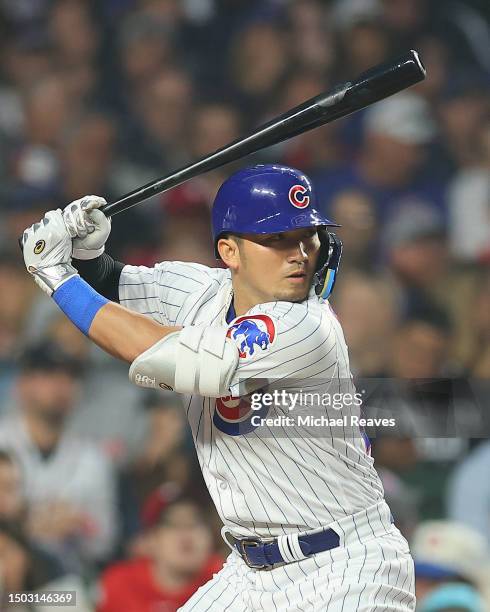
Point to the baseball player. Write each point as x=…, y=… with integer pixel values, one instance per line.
x=301, y=503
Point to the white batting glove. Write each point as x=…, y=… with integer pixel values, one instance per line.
x=47, y=251
x=88, y=226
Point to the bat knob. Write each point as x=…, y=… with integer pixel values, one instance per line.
x=418, y=62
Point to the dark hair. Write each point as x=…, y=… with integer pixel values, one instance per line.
x=13, y=530
x=236, y=237
x=6, y=457
x=430, y=313
x=181, y=500
x=48, y=356
x=158, y=504
x=42, y=566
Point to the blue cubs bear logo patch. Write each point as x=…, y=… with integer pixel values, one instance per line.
x=251, y=333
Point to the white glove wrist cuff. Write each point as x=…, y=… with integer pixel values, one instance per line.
x=51, y=278
x=85, y=254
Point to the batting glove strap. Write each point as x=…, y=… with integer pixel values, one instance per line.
x=51, y=279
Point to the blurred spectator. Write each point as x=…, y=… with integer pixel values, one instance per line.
x=420, y=396
x=25, y=568
x=397, y=129
x=463, y=111
x=397, y=132
x=161, y=457
x=448, y=552
x=47, y=110
x=22, y=206
x=214, y=125
x=68, y=483
x=355, y=212
x=179, y=561
x=17, y=296
x=311, y=39
x=23, y=565
x=471, y=345
x=87, y=150
x=21, y=568
x=73, y=32
x=420, y=345
x=469, y=204
x=366, y=306
x=146, y=47
x=348, y=12
x=159, y=460
x=401, y=500
x=404, y=18
x=12, y=503
x=63, y=333
x=467, y=503
x=26, y=57
x=364, y=40
x=161, y=109
x=417, y=254
x=188, y=214
x=258, y=65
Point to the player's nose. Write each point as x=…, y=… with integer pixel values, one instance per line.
x=298, y=252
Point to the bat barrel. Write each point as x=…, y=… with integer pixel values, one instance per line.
x=387, y=79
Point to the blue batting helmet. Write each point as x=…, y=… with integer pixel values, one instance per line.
x=269, y=199
x=265, y=199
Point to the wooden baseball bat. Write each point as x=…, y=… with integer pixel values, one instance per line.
x=371, y=86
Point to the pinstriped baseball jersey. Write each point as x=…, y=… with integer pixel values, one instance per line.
x=265, y=480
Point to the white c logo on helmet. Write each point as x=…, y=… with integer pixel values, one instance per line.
x=297, y=196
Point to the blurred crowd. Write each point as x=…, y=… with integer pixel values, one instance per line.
x=99, y=486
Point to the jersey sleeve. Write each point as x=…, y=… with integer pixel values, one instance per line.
x=282, y=341
x=161, y=292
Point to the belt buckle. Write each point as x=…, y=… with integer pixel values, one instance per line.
x=250, y=542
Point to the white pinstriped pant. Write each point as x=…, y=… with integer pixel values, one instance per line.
x=371, y=570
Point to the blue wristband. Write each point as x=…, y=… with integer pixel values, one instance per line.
x=79, y=302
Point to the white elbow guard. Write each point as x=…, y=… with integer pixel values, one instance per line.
x=199, y=360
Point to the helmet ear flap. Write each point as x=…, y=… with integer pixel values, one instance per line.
x=328, y=262
x=323, y=234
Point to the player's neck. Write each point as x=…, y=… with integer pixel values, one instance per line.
x=244, y=301
x=246, y=297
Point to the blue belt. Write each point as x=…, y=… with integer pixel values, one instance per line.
x=259, y=555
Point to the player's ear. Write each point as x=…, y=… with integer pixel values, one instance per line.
x=229, y=251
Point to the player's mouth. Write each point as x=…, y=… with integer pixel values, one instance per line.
x=298, y=276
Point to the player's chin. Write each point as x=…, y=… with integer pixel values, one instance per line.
x=297, y=293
